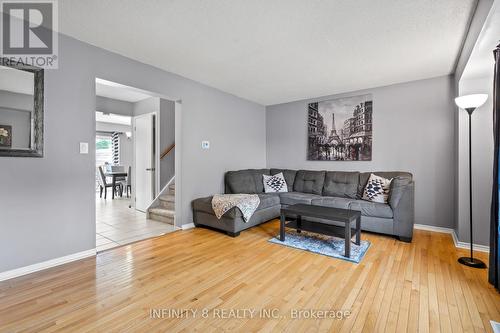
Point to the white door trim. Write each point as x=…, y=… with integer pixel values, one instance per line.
x=156, y=157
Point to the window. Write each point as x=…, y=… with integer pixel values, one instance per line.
x=103, y=152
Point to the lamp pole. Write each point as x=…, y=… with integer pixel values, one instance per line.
x=471, y=262
x=470, y=103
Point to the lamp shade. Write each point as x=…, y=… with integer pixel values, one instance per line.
x=471, y=101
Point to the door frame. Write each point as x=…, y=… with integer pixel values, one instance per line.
x=155, y=153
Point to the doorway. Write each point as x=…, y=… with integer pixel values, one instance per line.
x=127, y=165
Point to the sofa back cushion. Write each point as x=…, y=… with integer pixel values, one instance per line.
x=307, y=181
x=288, y=174
x=245, y=181
x=341, y=184
x=404, y=177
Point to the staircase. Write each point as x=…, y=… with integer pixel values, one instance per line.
x=164, y=209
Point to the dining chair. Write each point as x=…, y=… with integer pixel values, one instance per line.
x=127, y=184
x=103, y=184
x=121, y=180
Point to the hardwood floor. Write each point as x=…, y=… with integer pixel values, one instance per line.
x=397, y=287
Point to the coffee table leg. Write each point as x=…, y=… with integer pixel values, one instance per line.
x=282, y=227
x=347, y=240
x=299, y=223
x=358, y=231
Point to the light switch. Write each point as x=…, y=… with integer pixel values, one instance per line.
x=205, y=145
x=84, y=147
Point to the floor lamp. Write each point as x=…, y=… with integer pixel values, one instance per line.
x=470, y=103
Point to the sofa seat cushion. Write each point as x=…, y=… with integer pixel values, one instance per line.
x=205, y=205
x=268, y=200
x=373, y=209
x=366, y=208
x=292, y=198
x=335, y=202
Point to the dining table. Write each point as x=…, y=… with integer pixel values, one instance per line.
x=115, y=175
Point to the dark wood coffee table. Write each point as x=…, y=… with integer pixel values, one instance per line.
x=343, y=216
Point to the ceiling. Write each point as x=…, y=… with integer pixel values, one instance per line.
x=274, y=51
x=481, y=62
x=118, y=91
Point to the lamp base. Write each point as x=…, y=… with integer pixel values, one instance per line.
x=471, y=262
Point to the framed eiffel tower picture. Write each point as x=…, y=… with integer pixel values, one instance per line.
x=340, y=129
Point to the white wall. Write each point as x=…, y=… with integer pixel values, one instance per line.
x=49, y=210
x=482, y=162
x=412, y=131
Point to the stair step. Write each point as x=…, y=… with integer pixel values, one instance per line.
x=160, y=218
x=167, y=198
x=167, y=205
x=162, y=212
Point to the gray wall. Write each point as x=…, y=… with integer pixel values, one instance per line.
x=167, y=137
x=147, y=105
x=56, y=216
x=110, y=105
x=412, y=131
x=482, y=163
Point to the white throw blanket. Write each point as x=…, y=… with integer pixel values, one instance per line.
x=247, y=203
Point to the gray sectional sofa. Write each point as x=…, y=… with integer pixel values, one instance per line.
x=338, y=189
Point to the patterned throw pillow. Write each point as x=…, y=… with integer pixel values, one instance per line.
x=274, y=183
x=377, y=189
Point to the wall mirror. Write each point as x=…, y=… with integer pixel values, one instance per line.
x=21, y=110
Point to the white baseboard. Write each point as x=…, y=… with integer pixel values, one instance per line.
x=188, y=226
x=458, y=244
x=46, y=264
x=433, y=228
x=465, y=245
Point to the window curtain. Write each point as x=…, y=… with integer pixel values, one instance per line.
x=115, y=137
x=494, y=267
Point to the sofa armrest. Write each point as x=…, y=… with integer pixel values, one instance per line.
x=402, y=202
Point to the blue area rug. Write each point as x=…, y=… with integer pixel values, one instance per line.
x=322, y=244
